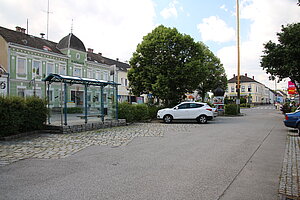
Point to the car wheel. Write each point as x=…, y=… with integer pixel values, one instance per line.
x=202, y=119
x=168, y=119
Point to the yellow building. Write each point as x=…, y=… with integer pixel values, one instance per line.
x=254, y=91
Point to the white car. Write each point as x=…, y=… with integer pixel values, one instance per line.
x=187, y=110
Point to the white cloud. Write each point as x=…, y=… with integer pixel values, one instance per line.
x=223, y=7
x=170, y=11
x=112, y=27
x=215, y=29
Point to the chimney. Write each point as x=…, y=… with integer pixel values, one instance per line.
x=233, y=75
x=90, y=50
x=42, y=35
x=117, y=59
x=23, y=30
x=100, y=54
x=246, y=74
x=253, y=77
x=18, y=28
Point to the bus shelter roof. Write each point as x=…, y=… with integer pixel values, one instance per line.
x=77, y=80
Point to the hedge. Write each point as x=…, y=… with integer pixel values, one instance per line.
x=20, y=115
x=137, y=112
x=231, y=109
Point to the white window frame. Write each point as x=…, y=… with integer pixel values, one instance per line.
x=105, y=76
x=98, y=75
x=40, y=70
x=243, y=88
x=77, y=68
x=60, y=66
x=90, y=73
x=25, y=68
x=23, y=88
x=53, y=67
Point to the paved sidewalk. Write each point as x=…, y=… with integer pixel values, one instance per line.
x=56, y=146
x=289, y=187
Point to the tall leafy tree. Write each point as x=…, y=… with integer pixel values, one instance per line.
x=214, y=71
x=167, y=64
x=282, y=59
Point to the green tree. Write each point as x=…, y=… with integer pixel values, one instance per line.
x=214, y=73
x=282, y=60
x=166, y=64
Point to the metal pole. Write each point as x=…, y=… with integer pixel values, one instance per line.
x=117, y=107
x=65, y=103
x=48, y=100
x=238, y=55
x=85, y=103
x=34, y=88
x=61, y=103
x=102, y=103
x=8, y=79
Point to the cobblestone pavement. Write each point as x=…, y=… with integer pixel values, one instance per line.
x=289, y=186
x=56, y=146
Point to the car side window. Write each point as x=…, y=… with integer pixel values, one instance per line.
x=184, y=106
x=195, y=105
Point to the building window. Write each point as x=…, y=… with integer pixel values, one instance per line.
x=62, y=70
x=105, y=76
x=249, y=88
x=124, y=82
x=243, y=88
x=77, y=71
x=90, y=73
x=50, y=68
x=37, y=68
x=232, y=88
x=98, y=75
x=21, y=67
x=21, y=92
x=77, y=56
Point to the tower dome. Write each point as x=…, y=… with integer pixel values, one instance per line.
x=71, y=41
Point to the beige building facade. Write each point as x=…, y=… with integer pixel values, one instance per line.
x=252, y=90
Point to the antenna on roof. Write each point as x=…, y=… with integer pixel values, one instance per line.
x=48, y=12
x=27, y=26
x=72, y=26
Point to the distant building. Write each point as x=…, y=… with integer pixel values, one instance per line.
x=252, y=90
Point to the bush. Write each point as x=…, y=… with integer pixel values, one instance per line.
x=286, y=108
x=245, y=105
x=153, y=111
x=73, y=110
x=137, y=112
x=243, y=100
x=126, y=112
x=11, y=115
x=18, y=114
x=231, y=109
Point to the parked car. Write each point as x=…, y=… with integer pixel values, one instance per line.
x=292, y=119
x=215, y=112
x=187, y=110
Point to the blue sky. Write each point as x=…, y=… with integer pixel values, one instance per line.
x=115, y=27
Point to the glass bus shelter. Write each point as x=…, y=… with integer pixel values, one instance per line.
x=71, y=98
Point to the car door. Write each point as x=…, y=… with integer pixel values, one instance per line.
x=194, y=110
x=180, y=111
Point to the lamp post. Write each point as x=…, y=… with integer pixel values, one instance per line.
x=238, y=55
